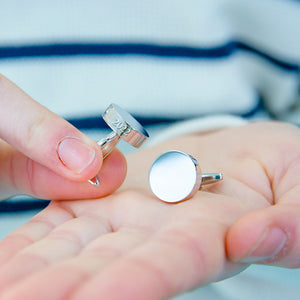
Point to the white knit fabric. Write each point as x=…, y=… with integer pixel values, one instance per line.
x=164, y=86
x=150, y=85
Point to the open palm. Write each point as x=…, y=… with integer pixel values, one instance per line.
x=130, y=245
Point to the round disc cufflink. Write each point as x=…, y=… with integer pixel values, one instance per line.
x=124, y=126
x=176, y=176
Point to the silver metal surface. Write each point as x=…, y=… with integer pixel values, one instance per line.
x=125, y=127
x=176, y=176
x=109, y=143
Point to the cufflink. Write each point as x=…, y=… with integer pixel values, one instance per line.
x=176, y=176
x=124, y=126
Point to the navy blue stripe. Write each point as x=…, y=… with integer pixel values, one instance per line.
x=115, y=49
x=259, y=107
x=98, y=123
x=273, y=60
x=11, y=52
x=10, y=206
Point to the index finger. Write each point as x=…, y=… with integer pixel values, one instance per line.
x=45, y=137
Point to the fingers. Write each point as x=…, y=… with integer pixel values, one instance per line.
x=272, y=235
x=22, y=175
x=73, y=269
x=171, y=263
x=54, y=243
x=128, y=264
x=44, y=137
x=34, y=230
x=268, y=236
x=123, y=266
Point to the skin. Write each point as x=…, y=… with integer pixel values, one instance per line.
x=130, y=245
x=30, y=138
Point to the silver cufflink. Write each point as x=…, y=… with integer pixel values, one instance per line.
x=176, y=176
x=124, y=126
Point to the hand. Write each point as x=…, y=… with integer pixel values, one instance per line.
x=45, y=156
x=130, y=245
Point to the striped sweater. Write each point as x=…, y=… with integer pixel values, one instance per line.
x=160, y=60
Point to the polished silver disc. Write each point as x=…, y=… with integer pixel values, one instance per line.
x=174, y=176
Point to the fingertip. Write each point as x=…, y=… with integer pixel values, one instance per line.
x=113, y=171
x=47, y=184
x=266, y=236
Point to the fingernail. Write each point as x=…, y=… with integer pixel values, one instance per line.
x=74, y=154
x=268, y=246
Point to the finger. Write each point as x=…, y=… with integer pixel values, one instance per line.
x=172, y=262
x=271, y=235
x=22, y=175
x=44, y=137
x=268, y=236
x=62, y=242
x=75, y=271
x=34, y=230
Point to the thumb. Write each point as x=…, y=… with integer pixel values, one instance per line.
x=22, y=175
x=268, y=236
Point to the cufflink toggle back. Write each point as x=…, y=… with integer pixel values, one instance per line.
x=176, y=176
x=125, y=127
